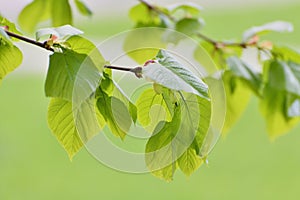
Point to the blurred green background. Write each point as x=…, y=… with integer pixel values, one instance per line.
x=244, y=165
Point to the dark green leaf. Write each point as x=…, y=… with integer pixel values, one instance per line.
x=83, y=9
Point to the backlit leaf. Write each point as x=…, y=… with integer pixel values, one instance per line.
x=173, y=75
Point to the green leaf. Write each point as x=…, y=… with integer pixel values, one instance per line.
x=142, y=44
x=178, y=142
x=189, y=26
x=242, y=70
x=144, y=17
x=286, y=54
x=173, y=75
x=68, y=71
x=61, y=122
x=34, y=13
x=151, y=108
x=83, y=9
x=84, y=46
x=282, y=83
x=115, y=114
x=186, y=9
x=277, y=26
x=237, y=99
x=61, y=13
x=61, y=32
x=11, y=27
x=10, y=58
x=189, y=161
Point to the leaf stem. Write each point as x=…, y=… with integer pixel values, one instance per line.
x=43, y=45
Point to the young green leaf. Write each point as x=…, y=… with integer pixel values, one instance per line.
x=171, y=74
x=242, y=70
x=151, y=108
x=10, y=58
x=61, y=32
x=83, y=9
x=186, y=9
x=282, y=83
x=142, y=44
x=34, y=13
x=277, y=26
x=61, y=122
x=189, y=26
x=144, y=17
x=237, y=99
x=286, y=54
x=61, y=13
x=69, y=71
x=5, y=24
x=115, y=113
x=84, y=46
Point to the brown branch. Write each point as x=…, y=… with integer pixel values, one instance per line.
x=43, y=45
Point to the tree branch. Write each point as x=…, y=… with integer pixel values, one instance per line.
x=215, y=43
x=43, y=45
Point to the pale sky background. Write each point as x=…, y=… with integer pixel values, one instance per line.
x=10, y=9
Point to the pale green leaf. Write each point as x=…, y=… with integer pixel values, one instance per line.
x=84, y=46
x=83, y=9
x=286, y=54
x=61, y=32
x=189, y=161
x=34, y=13
x=151, y=108
x=237, y=99
x=173, y=75
x=70, y=71
x=74, y=125
x=276, y=26
x=142, y=44
x=243, y=70
x=282, y=83
x=144, y=17
x=62, y=124
x=189, y=26
x=186, y=9
x=115, y=113
x=61, y=13
x=10, y=58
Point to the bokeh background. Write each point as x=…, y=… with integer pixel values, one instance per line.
x=244, y=165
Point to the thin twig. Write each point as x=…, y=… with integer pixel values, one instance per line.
x=30, y=41
x=215, y=43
